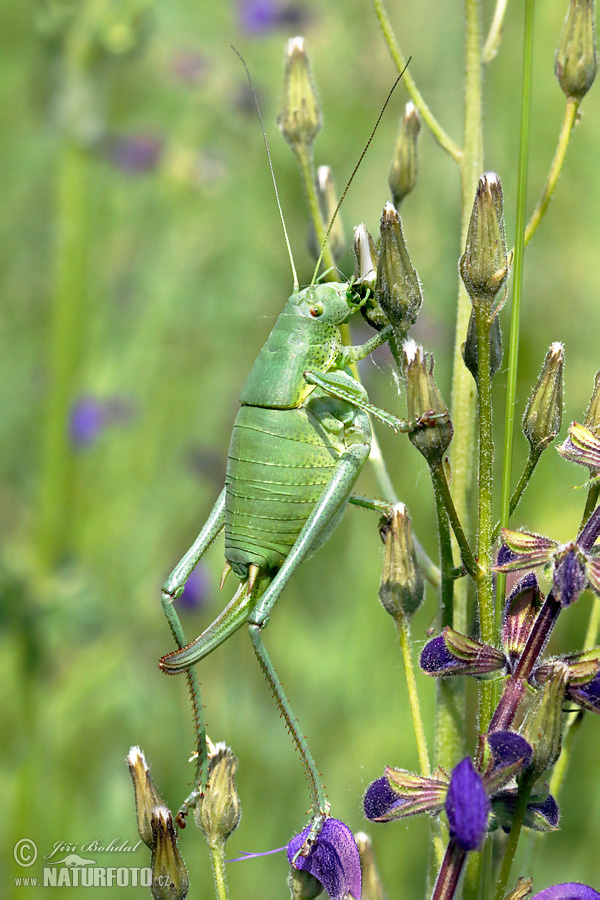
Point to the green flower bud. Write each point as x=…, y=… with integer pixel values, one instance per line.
x=146, y=794
x=303, y=885
x=328, y=202
x=300, y=119
x=403, y=172
x=484, y=264
x=575, y=64
x=372, y=889
x=365, y=275
x=469, y=348
x=543, y=720
x=543, y=415
x=169, y=874
x=402, y=587
x=398, y=289
x=592, y=416
x=431, y=438
x=219, y=811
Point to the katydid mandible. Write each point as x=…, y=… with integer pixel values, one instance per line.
x=299, y=441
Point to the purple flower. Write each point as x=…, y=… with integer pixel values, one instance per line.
x=196, y=589
x=261, y=16
x=333, y=859
x=88, y=419
x=380, y=800
x=467, y=806
x=453, y=653
x=135, y=153
x=509, y=748
x=571, y=890
x=586, y=695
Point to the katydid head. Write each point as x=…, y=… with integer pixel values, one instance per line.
x=332, y=303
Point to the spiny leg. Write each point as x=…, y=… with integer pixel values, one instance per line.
x=173, y=588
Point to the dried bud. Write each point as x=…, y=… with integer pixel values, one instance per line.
x=575, y=64
x=146, y=794
x=327, y=202
x=523, y=887
x=542, y=723
x=431, y=438
x=303, y=885
x=219, y=811
x=398, y=289
x=484, y=264
x=403, y=173
x=543, y=416
x=372, y=889
x=367, y=257
x=469, y=348
x=402, y=587
x=300, y=119
x=592, y=416
x=169, y=874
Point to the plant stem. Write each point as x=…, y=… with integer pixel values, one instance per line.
x=66, y=342
x=557, y=163
x=591, y=502
x=217, y=858
x=440, y=484
x=492, y=42
x=449, y=874
x=513, y=355
x=532, y=461
x=307, y=175
x=445, y=142
x=513, y=838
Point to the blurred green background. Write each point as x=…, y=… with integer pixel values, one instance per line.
x=143, y=267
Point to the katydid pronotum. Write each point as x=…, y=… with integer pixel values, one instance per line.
x=299, y=441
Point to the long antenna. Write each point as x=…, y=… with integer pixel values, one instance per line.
x=287, y=240
x=360, y=159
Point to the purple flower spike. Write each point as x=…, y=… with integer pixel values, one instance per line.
x=333, y=860
x=195, y=590
x=569, y=891
x=380, y=800
x=467, y=806
x=508, y=748
x=436, y=659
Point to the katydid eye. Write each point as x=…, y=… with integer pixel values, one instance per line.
x=316, y=310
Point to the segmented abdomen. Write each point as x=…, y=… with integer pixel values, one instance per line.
x=279, y=462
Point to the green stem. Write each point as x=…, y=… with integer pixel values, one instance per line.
x=513, y=838
x=217, y=858
x=485, y=593
x=591, y=503
x=557, y=163
x=307, y=175
x=532, y=461
x=67, y=334
x=513, y=354
x=492, y=42
x=440, y=484
x=403, y=626
x=444, y=140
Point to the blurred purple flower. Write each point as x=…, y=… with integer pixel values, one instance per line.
x=333, y=859
x=196, y=589
x=135, y=154
x=190, y=67
x=568, y=891
x=261, y=16
x=88, y=419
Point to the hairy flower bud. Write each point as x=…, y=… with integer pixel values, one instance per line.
x=169, y=874
x=403, y=172
x=402, y=587
x=543, y=415
x=398, y=289
x=484, y=264
x=575, y=64
x=372, y=889
x=219, y=811
x=423, y=399
x=300, y=119
x=469, y=348
x=327, y=202
x=592, y=415
x=146, y=794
